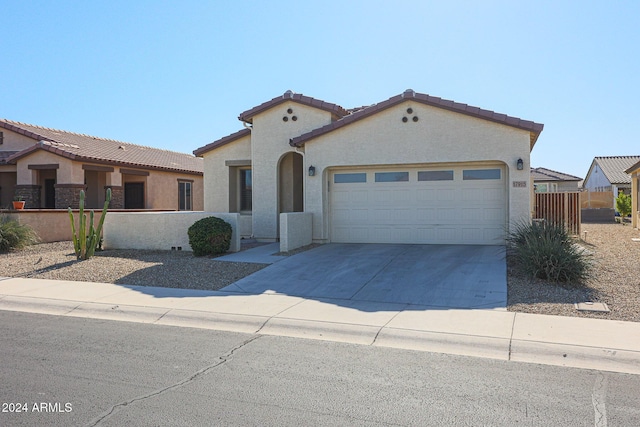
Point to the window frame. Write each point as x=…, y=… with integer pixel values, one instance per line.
x=185, y=197
x=242, y=207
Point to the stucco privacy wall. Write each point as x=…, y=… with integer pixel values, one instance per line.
x=51, y=225
x=295, y=230
x=270, y=141
x=159, y=230
x=439, y=136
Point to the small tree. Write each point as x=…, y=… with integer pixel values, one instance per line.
x=623, y=205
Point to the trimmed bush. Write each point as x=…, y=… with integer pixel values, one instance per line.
x=210, y=236
x=14, y=235
x=546, y=251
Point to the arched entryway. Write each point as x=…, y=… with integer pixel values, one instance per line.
x=290, y=183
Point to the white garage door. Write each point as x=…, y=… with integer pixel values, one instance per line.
x=454, y=205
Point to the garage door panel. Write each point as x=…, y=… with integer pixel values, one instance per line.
x=446, y=195
x=389, y=195
x=473, y=234
x=452, y=211
x=393, y=216
x=492, y=214
x=493, y=194
x=471, y=214
x=426, y=195
x=447, y=234
x=427, y=215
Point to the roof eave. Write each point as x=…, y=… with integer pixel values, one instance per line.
x=534, y=128
x=199, y=152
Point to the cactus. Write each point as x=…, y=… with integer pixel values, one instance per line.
x=85, y=242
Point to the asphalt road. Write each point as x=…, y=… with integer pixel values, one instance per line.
x=62, y=371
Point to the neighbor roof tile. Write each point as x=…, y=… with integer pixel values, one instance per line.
x=100, y=150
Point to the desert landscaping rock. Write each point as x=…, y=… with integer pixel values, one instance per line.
x=170, y=269
x=615, y=281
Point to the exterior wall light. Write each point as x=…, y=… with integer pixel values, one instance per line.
x=520, y=164
x=312, y=170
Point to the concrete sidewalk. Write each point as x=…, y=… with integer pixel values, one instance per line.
x=499, y=334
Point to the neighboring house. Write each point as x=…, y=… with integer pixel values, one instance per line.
x=410, y=169
x=550, y=181
x=634, y=172
x=609, y=174
x=48, y=168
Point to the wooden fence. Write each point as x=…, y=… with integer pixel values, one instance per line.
x=596, y=199
x=560, y=208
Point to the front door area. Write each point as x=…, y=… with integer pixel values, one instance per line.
x=134, y=195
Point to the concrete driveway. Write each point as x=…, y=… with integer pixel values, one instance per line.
x=447, y=276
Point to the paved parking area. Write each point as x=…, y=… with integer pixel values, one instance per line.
x=447, y=276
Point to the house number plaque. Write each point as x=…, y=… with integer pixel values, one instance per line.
x=520, y=184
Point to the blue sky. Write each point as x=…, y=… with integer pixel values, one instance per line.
x=176, y=74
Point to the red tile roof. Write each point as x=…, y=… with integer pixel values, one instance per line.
x=222, y=141
x=338, y=111
x=532, y=127
x=4, y=155
x=100, y=150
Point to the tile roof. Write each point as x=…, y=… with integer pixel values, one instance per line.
x=532, y=127
x=614, y=167
x=4, y=155
x=88, y=148
x=222, y=141
x=544, y=174
x=247, y=116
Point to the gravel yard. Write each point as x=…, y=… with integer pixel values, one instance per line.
x=170, y=269
x=615, y=281
x=616, y=278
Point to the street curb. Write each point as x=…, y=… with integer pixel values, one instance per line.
x=318, y=330
x=438, y=342
x=500, y=348
x=218, y=321
x=575, y=356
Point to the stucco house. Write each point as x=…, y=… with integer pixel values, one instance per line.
x=634, y=172
x=550, y=181
x=47, y=168
x=411, y=169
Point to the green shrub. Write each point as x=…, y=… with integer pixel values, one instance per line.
x=210, y=236
x=546, y=251
x=623, y=205
x=14, y=235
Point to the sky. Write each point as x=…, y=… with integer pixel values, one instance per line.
x=176, y=74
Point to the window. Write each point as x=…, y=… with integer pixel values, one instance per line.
x=474, y=174
x=1, y=137
x=435, y=176
x=392, y=176
x=185, y=196
x=347, y=178
x=245, y=190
